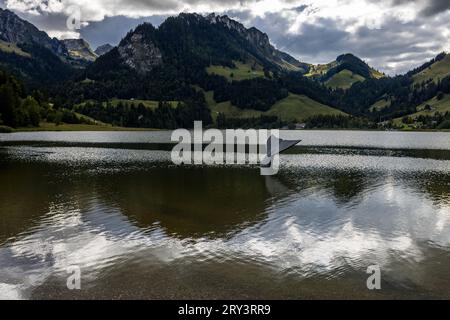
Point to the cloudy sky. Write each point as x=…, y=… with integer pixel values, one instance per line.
x=391, y=35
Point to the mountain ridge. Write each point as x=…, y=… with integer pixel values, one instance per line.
x=257, y=44
x=343, y=72
x=241, y=67
x=103, y=49
x=435, y=70
x=238, y=66
x=261, y=41
x=15, y=30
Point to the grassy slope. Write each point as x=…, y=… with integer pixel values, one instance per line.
x=289, y=67
x=438, y=70
x=320, y=69
x=227, y=108
x=241, y=72
x=147, y=103
x=46, y=126
x=380, y=104
x=300, y=107
x=82, y=55
x=344, y=80
x=12, y=48
x=294, y=107
x=377, y=74
x=441, y=106
x=87, y=81
x=438, y=105
x=98, y=126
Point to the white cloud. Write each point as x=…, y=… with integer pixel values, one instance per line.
x=394, y=35
x=63, y=34
x=362, y=12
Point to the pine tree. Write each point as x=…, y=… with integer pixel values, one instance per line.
x=9, y=101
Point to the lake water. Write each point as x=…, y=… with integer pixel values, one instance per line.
x=139, y=227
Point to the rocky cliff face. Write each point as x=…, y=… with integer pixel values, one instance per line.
x=79, y=49
x=260, y=43
x=141, y=49
x=226, y=21
x=139, y=52
x=193, y=42
x=103, y=49
x=15, y=30
x=257, y=38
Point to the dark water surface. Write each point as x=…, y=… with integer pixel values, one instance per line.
x=140, y=227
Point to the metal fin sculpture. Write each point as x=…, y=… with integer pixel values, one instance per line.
x=276, y=146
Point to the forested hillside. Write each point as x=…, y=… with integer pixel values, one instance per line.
x=209, y=68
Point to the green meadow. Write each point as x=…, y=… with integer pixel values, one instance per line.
x=292, y=108
x=436, y=71
x=344, y=80
x=243, y=71
x=12, y=48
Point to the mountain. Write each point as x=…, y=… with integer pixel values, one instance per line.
x=431, y=84
x=212, y=67
x=345, y=71
x=79, y=49
x=30, y=53
x=140, y=51
x=189, y=57
x=18, y=31
x=189, y=49
x=260, y=45
x=211, y=40
x=103, y=49
x=434, y=70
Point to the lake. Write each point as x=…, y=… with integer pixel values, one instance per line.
x=137, y=226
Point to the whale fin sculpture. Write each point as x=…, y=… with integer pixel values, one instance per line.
x=276, y=146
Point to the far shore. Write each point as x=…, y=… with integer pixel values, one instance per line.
x=52, y=127
x=71, y=127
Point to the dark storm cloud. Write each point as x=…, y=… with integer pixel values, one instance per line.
x=393, y=47
x=124, y=6
x=45, y=21
x=113, y=29
x=435, y=7
x=300, y=8
x=429, y=7
x=150, y=4
x=110, y=30
x=394, y=44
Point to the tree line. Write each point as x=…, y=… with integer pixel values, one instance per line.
x=20, y=109
x=165, y=116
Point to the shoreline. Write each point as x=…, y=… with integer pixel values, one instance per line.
x=76, y=128
x=51, y=127
x=122, y=129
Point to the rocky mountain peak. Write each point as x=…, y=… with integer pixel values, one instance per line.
x=79, y=49
x=227, y=22
x=15, y=30
x=252, y=34
x=143, y=49
x=260, y=42
x=139, y=51
x=103, y=49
